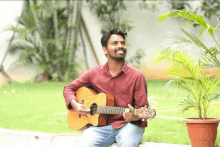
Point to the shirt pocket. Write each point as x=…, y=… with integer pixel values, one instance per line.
x=122, y=90
x=122, y=100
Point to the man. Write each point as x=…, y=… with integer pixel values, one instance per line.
x=125, y=83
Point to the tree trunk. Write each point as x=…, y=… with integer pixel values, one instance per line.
x=73, y=36
x=69, y=33
x=5, y=74
x=56, y=35
x=90, y=41
x=77, y=23
x=65, y=63
x=84, y=48
x=40, y=31
x=1, y=65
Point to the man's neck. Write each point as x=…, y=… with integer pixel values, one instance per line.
x=115, y=66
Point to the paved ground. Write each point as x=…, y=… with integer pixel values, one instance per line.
x=12, y=138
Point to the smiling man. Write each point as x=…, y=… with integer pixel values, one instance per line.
x=125, y=83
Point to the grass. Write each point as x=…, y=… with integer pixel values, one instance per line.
x=40, y=107
x=33, y=107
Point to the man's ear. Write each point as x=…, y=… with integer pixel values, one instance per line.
x=105, y=50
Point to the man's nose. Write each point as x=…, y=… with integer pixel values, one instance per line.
x=120, y=44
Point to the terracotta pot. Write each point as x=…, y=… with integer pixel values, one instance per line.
x=202, y=132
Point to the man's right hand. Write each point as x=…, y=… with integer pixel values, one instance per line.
x=80, y=108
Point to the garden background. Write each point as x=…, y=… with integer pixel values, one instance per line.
x=40, y=44
x=145, y=32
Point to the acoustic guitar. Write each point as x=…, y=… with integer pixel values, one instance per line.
x=99, y=104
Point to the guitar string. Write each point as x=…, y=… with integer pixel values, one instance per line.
x=111, y=109
x=118, y=110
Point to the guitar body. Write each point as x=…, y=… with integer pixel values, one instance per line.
x=89, y=97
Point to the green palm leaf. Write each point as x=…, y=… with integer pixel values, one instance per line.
x=190, y=16
x=181, y=43
x=186, y=74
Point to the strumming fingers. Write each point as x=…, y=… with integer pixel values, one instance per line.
x=83, y=112
x=83, y=108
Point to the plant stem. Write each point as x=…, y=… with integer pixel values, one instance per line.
x=199, y=99
x=216, y=41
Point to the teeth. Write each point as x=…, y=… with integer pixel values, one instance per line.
x=120, y=51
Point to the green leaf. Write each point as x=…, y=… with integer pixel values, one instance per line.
x=201, y=31
x=194, y=19
x=210, y=30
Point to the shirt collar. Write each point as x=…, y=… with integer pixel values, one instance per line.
x=106, y=70
x=124, y=68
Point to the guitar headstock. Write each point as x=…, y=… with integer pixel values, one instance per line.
x=145, y=113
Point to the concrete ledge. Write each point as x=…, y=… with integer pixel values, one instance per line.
x=15, y=138
x=153, y=144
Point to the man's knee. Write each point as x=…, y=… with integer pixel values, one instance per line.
x=130, y=140
x=129, y=136
x=96, y=137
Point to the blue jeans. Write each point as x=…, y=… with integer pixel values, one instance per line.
x=129, y=135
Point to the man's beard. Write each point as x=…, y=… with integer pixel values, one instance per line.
x=117, y=58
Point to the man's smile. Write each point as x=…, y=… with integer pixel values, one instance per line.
x=120, y=52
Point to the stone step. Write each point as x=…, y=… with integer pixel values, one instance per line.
x=15, y=138
x=154, y=144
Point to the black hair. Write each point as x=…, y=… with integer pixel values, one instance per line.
x=106, y=36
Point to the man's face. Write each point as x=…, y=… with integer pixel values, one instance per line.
x=116, y=48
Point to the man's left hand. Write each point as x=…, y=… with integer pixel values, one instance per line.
x=127, y=114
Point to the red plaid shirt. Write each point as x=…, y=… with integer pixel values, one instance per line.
x=128, y=87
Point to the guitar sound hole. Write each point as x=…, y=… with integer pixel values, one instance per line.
x=93, y=109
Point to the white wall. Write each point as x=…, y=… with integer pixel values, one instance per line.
x=9, y=11
x=148, y=34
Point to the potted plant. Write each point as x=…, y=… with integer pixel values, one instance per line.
x=191, y=76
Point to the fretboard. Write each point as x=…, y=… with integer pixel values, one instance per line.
x=112, y=110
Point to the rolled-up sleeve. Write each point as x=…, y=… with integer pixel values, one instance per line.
x=69, y=91
x=140, y=93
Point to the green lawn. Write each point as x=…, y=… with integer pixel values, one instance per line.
x=40, y=107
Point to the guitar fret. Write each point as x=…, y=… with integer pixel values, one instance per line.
x=122, y=110
x=111, y=110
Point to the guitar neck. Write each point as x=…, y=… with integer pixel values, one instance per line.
x=113, y=110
